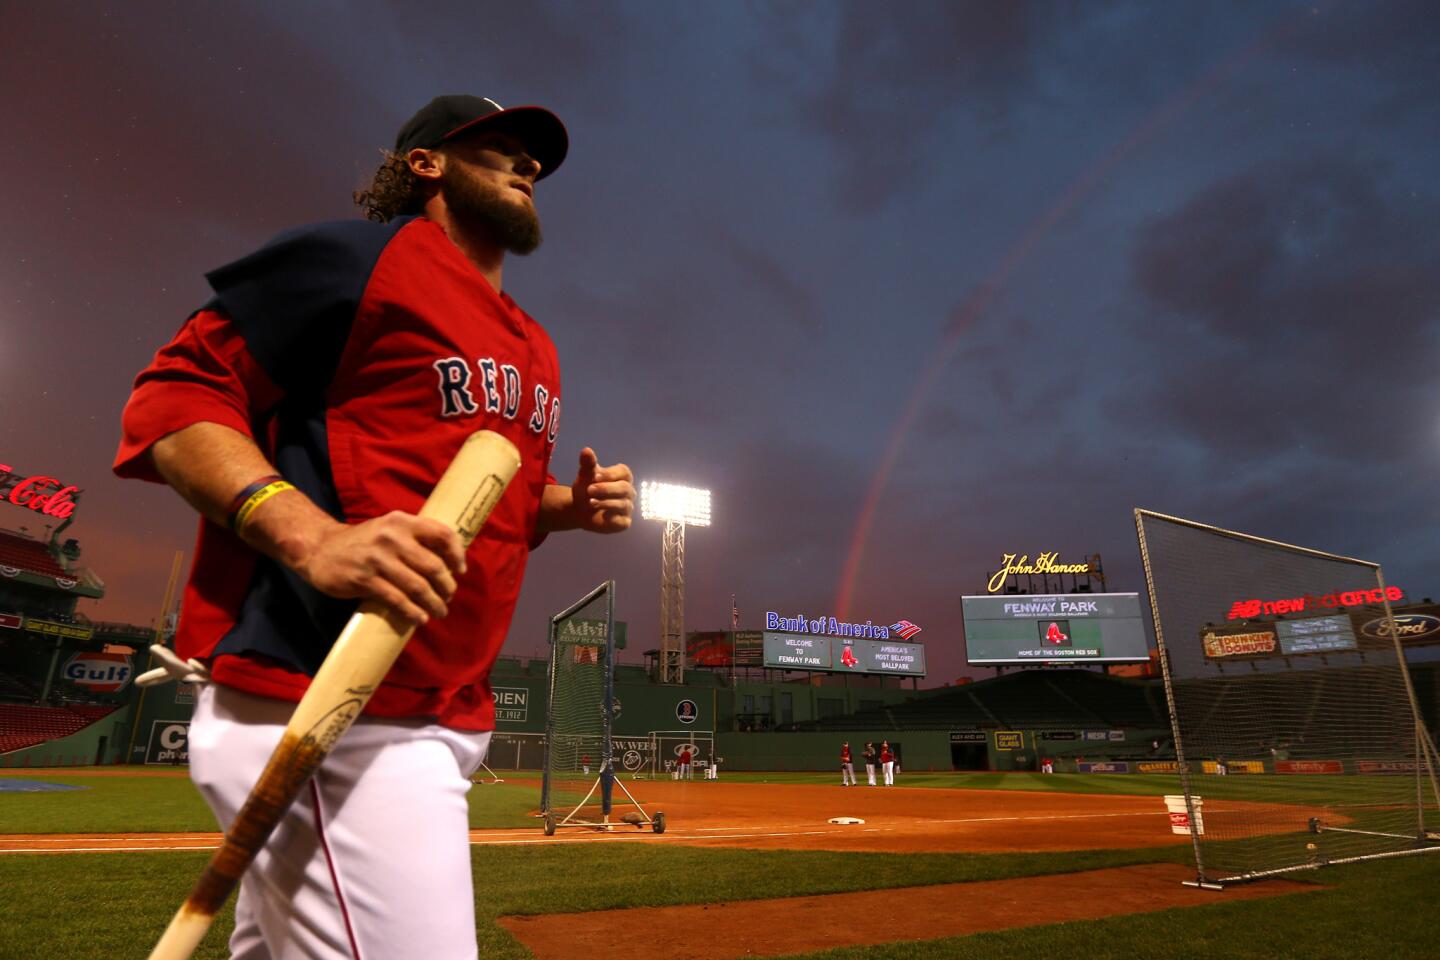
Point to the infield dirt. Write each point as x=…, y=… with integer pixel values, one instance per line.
x=795, y=817
x=762, y=928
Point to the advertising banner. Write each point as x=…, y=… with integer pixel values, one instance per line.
x=1238, y=646
x=512, y=704
x=169, y=742
x=810, y=651
x=1309, y=766
x=1060, y=735
x=1233, y=766
x=797, y=651
x=1104, y=766
x=1418, y=624
x=98, y=672
x=1076, y=628
x=1157, y=766
x=967, y=736
x=70, y=631
x=1385, y=766
x=1315, y=635
x=1009, y=740
x=879, y=656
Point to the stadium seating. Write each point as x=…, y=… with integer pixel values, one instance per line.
x=30, y=556
x=1028, y=699
x=15, y=687
x=24, y=726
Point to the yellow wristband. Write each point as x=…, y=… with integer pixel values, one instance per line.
x=257, y=498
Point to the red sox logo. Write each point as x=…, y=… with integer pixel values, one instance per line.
x=847, y=657
x=1054, y=635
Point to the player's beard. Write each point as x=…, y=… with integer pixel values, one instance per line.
x=481, y=207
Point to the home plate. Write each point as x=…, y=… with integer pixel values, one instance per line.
x=846, y=820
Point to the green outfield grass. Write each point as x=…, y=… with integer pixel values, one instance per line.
x=120, y=804
x=114, y=905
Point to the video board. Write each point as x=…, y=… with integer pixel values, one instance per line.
x=1058, y=628
x=811, y=651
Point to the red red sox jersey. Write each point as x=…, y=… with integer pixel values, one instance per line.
x=844, y=754
x=359, y=356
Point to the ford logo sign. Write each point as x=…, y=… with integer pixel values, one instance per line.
x=1410, y=626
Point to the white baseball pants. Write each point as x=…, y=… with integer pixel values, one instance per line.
x=372, y=861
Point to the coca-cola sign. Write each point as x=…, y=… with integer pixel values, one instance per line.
x=44, y=494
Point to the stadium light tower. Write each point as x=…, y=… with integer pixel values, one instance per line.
x=677, y=507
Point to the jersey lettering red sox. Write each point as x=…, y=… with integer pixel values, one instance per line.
x=359, y=356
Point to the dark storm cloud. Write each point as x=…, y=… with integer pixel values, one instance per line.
x=1308, y=291
x=769, y=276
x=1400, y=34
x=877, y=87
x=1177, y=256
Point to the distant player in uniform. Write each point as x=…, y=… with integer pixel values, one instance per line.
x=869, y=754
x=306, y=411
x=1047, y=765
x=682, y=771
x=887, y=762
x=847, y=767
x=585, y=764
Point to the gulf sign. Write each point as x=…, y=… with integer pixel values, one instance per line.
x=98, y=672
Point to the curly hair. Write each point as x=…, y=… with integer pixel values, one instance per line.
x=393, y=192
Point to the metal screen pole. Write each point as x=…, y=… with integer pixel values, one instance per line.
x=1421, y=734
x=607, y=713
x=545, y=807
x=1164, y=658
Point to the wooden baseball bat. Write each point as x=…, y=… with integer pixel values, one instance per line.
x=359, y=660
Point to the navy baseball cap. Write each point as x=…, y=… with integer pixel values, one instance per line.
x=450, y=116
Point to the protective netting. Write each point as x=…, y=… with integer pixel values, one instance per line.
x=1290, y=706
x=670, y=747
x=577, y=742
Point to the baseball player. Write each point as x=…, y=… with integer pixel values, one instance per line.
x=887, y=761
x=306, y=411
x=682, y=770
x=869, y=755
x=847, y=767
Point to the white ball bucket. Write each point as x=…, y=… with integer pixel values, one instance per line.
x=1180, y=815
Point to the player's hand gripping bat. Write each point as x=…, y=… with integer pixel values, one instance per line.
x=359, y=660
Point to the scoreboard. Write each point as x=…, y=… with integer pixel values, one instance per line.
x=1060, y=628
x=813, y=651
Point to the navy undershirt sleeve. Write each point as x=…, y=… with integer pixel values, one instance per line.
x=294, y=299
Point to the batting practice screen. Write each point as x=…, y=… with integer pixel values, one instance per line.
x=1061, y=628
x=1298, y=737
x=577, y=772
